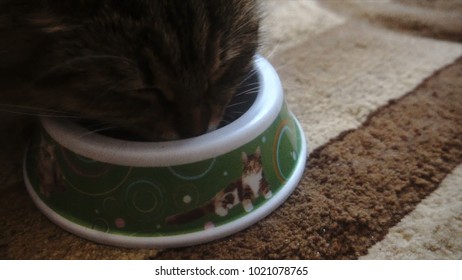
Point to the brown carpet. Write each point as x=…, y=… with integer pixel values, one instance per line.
x=378, y=90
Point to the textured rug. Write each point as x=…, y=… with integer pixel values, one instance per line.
x=377, y=88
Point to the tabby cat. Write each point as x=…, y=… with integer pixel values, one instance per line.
x=156, y=69
x=243, y=191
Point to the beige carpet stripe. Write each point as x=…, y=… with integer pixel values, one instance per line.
x=333, y=81
x=285, y=26
x=432, y=231
x=436, y=19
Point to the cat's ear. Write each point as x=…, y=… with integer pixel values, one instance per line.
x=258, y=152
x=245, y=158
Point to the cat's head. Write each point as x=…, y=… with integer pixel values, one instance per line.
x=159, y=69
x=252, y=163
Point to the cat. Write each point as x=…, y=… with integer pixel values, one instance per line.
x=51, y=178
x=155, y=69
x=242, y=191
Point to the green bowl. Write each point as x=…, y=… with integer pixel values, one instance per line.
x=175, y=193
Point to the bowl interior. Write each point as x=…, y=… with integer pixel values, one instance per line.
x=251, y=112
x=245, y=96
x=243, y=99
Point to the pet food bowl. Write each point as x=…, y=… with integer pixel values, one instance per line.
x=173, y=193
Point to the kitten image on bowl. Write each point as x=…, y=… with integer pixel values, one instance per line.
x=171, y=193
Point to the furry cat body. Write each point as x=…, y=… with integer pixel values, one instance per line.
x=159, y=69
x=242, y=191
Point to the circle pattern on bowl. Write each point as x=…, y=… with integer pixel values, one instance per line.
x=138, y=201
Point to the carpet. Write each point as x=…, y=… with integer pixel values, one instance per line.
x=377, y=88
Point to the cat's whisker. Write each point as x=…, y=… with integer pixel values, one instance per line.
x=31, y=108
x=233, y=115
x=36, y=112
x=26, y=114
x=250, y=74
x=248, y=92
x=237, y=113
x=254, y=84
x=273, y=51
x=236, y=104
x=225, y=121
x=95, y=131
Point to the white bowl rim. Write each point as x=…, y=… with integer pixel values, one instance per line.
x=247, y=127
